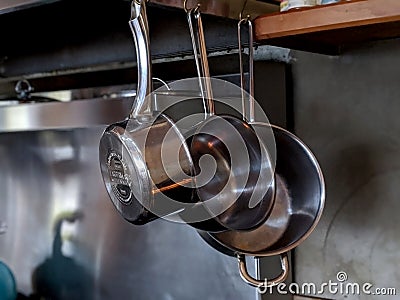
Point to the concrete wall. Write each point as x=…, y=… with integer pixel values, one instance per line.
x=347, y=109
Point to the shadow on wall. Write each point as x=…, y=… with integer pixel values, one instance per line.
x=60, y=277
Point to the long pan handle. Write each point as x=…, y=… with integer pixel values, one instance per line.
x=140, y=30
x=251, y=117
x=200, y=56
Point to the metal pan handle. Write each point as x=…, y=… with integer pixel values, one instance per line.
x=264, y=283
x=200, y=57
x=247, y=21
x=140, y=30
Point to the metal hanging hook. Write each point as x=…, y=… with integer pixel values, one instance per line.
x=23, y=89
x=241, y=12
x=194, y=9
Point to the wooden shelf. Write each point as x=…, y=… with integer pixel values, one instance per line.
x=330, y=29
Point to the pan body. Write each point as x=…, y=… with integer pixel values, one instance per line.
x=234, y=176
x=300, y=198
x=144, y=164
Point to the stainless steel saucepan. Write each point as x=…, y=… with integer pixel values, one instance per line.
x=243, y=171
x=146, y=161
x=300, y=198
x=137, y=174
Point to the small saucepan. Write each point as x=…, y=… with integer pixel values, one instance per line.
x=136, y=173
x=241, y=159
x=299, y=202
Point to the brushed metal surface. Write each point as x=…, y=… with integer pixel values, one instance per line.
x=62, y=115
x=8, y=6
x=64, y=238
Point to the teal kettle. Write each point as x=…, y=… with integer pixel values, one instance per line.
x=8, y=287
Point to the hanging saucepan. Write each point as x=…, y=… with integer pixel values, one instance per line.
x=145, y=161
x=243, y=171
x=300, y=198
x=135, y=173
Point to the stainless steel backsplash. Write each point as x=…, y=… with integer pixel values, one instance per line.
x=64, y=239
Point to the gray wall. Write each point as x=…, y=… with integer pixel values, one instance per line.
x=347, y=110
